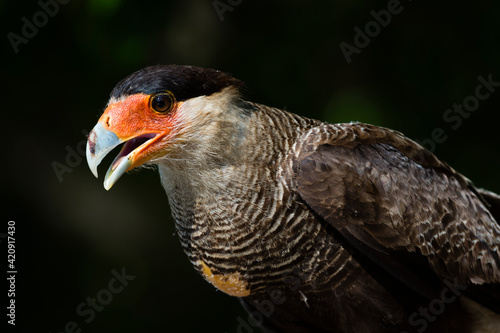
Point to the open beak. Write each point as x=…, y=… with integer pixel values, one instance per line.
x=101, y=141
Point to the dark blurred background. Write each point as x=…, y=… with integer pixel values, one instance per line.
x=71, y=233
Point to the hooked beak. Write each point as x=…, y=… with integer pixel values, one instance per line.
x=101, y=141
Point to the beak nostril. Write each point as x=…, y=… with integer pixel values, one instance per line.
x=107, y=122
x=91, y=143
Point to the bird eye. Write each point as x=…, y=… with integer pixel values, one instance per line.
x=162, y=102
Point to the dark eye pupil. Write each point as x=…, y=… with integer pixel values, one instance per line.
x=161, y=103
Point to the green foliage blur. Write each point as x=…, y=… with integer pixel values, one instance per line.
x=71, y=233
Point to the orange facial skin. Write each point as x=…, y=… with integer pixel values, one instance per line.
x=133, y=117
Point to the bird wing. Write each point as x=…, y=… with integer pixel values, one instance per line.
x=385, y=196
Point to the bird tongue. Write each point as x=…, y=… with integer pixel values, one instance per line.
x=129, y=147
x=116, y=170
x=123, y=161
x=116, y=162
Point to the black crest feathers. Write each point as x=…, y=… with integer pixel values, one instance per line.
x=184, y=82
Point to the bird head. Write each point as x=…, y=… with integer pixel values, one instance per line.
x=155, y=112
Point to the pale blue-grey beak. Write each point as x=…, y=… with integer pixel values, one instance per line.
x=100, y=142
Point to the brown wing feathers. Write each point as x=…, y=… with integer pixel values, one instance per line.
x=384, y=193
